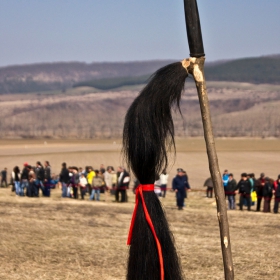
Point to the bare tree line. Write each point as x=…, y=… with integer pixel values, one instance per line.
x=102, y=116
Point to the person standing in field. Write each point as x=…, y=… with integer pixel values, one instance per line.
x=69, y=185
x=90, y=175
x=117, y=192
x=253, y=180
x=64, y=179
x=32, y=188
x=250, y=179
x=225, y=179
x=277, y=195
x=209, y=185
x=267, y=194
x=83, y=185
x=24, y=179
x=75, y=179
x=47, y=179
x=163, y=182
x=108, y=178
x=40, y=177
x=230, y=191
x=4, y=173
x=123, y=183
x=16, y=179
x=259, y=189
x=97, y=183
x=180, y=185
x=244, y=187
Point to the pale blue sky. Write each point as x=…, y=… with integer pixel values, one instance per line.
x=33, y=31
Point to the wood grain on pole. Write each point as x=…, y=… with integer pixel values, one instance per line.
x=196, y=68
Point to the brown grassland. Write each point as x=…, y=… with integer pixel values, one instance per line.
x=55, y=238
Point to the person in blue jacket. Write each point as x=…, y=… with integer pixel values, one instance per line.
x=225, y=181
x=225, y=178
x=180, y=185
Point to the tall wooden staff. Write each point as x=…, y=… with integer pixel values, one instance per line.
x=195, y=66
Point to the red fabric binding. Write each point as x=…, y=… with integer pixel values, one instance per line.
x=139, y=193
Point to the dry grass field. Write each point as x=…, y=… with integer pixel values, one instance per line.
x=55, y=238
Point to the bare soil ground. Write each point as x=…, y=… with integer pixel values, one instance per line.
x=55, y=238
x=237, y=155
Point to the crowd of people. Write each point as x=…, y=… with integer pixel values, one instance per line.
x=77, y=182
x=74, y=182
x=251, y=191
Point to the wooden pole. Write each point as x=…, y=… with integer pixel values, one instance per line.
x=196, y=68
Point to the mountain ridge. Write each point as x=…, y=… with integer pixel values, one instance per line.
x=63, y=75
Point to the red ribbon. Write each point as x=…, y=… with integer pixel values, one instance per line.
x=139, y=194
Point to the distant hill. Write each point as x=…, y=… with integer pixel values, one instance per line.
x=237, y=110
x=260, y=70
x=107, y=75
x=111, y=83
x=63, y=75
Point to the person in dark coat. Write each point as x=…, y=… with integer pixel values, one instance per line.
x=267, y=194
x=32, y=187
x=259, y=189
x=123, y=183
x=4, y=177
x=47, y=179
x=75, y=179
x=64, y=179
x=277, y=195
x=180, y=185
x=24, y=179
x=209, y=184
x=117, y=192
x=244, y=187
x=40, y=177
x=230, y=190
